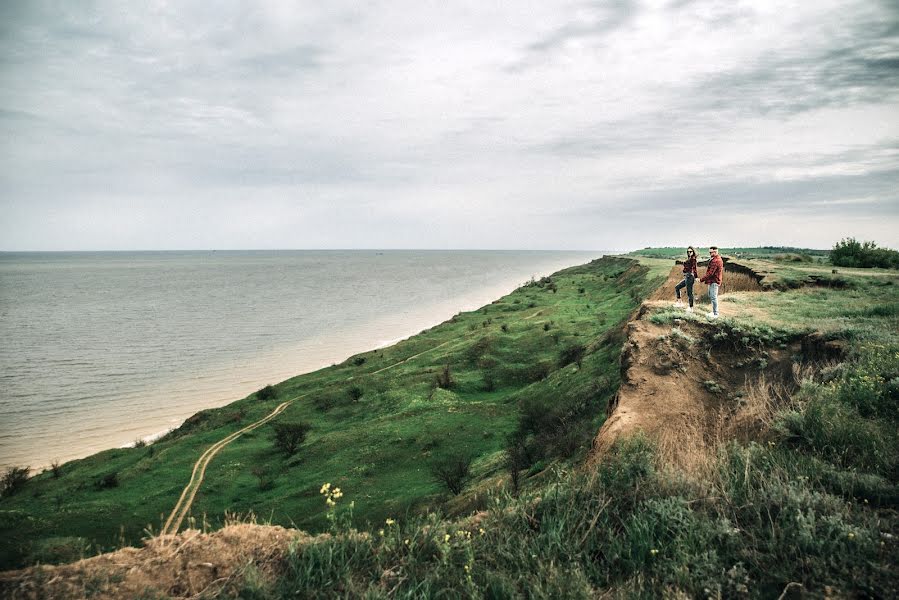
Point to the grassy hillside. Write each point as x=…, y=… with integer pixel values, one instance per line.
x=377, y=425
x=802, y=503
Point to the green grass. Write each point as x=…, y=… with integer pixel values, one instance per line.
x=808, y=508
x=377, y=447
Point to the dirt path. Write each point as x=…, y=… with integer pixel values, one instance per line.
x=182, y=507
x=405, y=360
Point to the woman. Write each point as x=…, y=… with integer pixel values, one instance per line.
x=690, y=276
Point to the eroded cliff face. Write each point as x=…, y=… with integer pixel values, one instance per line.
x=688, y=384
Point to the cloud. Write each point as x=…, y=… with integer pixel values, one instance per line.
x=409, y=124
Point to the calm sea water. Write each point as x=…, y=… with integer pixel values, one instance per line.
x=101, y=349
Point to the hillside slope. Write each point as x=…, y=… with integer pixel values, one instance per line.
x=379, y=421
x=754, y=456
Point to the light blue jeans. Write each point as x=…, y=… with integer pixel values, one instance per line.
x=713, y=296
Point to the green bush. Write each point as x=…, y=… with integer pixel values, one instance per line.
x=836, y=432
x=572, y=353
x=14, y=480
x=267, y=393
x=289, y=436
x=848, y=252
x=452, y=471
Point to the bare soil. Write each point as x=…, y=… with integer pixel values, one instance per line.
x=688, y=392
x=171, y=566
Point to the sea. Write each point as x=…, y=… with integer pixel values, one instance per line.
x=103, y=349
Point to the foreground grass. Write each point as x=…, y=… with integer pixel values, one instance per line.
x=378, y=423
x=808, y=509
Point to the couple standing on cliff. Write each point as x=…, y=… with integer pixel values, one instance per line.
x=713, y=274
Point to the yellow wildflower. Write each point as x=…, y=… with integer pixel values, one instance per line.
x=446, y=537
x=390, y=522
x=653, y=551
x=325, y=488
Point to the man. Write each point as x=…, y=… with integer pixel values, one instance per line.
x=713, y=274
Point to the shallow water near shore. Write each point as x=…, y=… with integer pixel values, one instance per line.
x=104, y=348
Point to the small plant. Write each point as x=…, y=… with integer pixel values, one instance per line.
x=488, y=383
x=289, y=436
x=713, y=387
x=547, y=326
x=56, y=469
x=140, y=443
x=108, y=481
x=505, y=328
x=572, y=354
x=355, y=393
x=358, y=361
x=14, y=480
x=452, y=472
x=264, y=478
x=267, y=393
x=445, y=378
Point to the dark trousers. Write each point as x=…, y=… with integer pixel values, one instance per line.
x=686, y=283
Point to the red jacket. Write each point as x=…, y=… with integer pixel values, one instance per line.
x=714, y=271
x=690, y=266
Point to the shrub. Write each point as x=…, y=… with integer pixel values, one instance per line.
x=267, y=393
x=14, y=480
x=108, y=481
x=848, y=252
x=452, y=471
x=488, y=383
x=358, y=361
x=355, y=393
x=264, y=478
x=445, y=378
x=56, y=469
x=573, y=353
x=289, y=436
x=835, y=432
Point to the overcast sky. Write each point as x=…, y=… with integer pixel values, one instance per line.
x=552, y=125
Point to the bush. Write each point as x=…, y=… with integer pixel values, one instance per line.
x=445, y=378
x=452, y=472
x=267, y=393
x=835, y=432
x=14, y=480
x=108, y=481
x=289, y=436
x=573, y=353
x=849, y=252
x=355, y=393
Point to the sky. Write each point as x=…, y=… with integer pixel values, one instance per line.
x=523, y=125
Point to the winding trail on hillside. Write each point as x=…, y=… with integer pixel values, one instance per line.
x=182, y=507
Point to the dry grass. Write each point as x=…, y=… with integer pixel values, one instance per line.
x=731, y=282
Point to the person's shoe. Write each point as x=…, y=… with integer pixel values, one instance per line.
x=689, y=309
x=711, y=315
x=678, y=302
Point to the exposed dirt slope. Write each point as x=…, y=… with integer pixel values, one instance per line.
x=737, y=278
x=690, y=383
x=175, y=566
